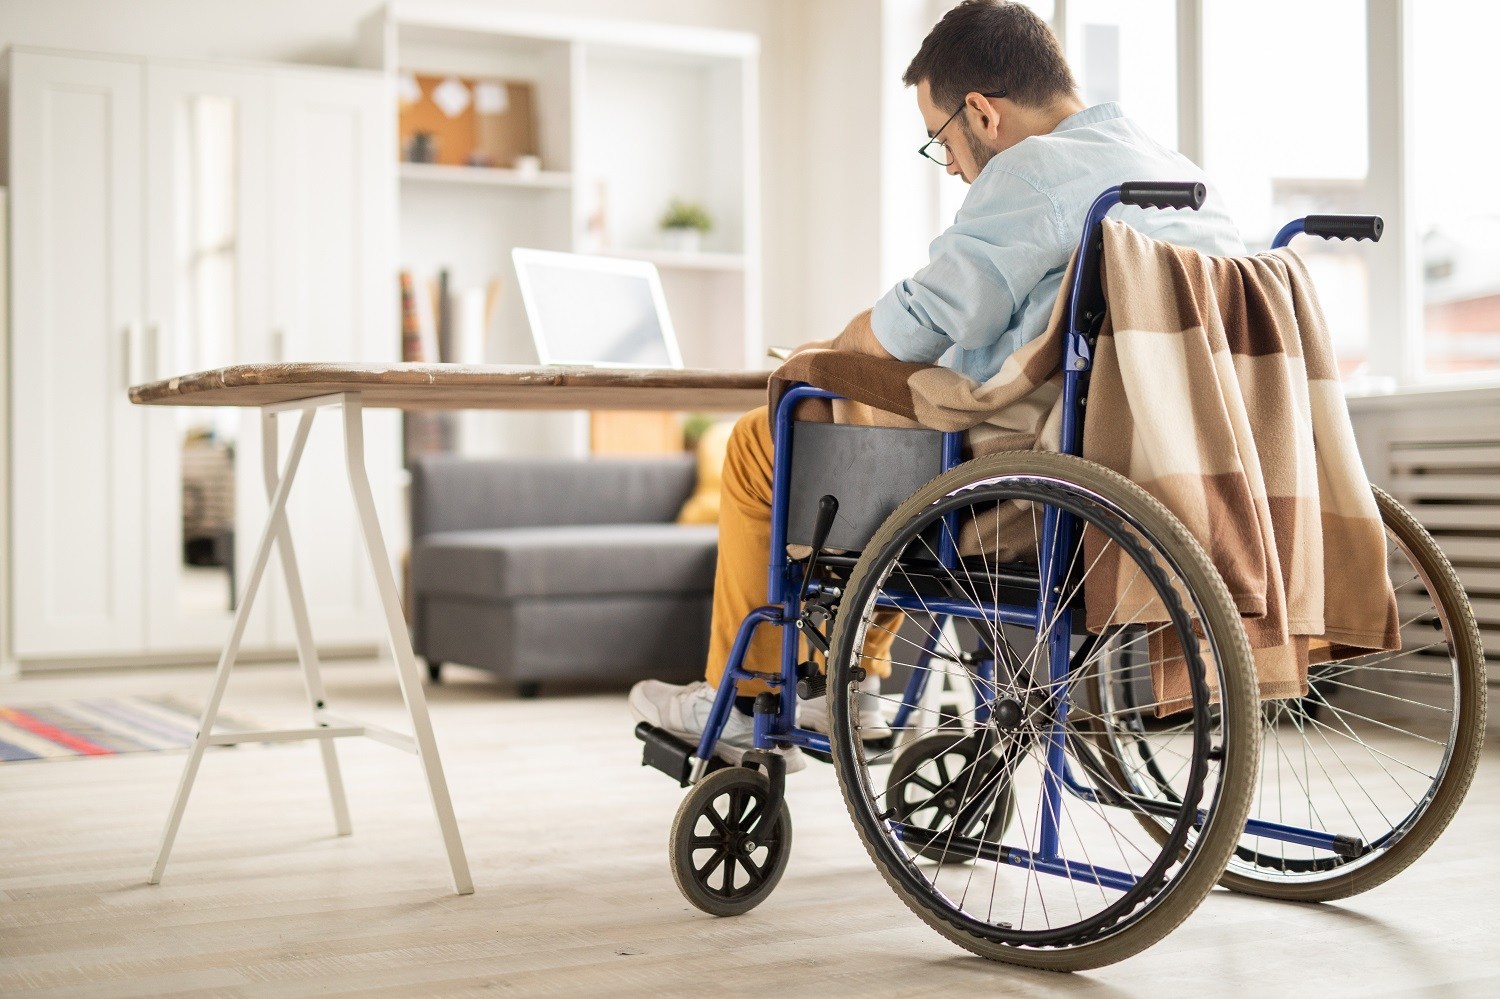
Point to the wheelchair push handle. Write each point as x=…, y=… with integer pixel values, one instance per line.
x=1163, y=194
x=1332, y=227
x=1345, y=226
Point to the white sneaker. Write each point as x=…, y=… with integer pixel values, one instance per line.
x=813, y=714
x=683, y=710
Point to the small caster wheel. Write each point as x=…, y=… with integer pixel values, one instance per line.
x=528, y=690
x=435, y=672
x=936, y=776
x=717, y=865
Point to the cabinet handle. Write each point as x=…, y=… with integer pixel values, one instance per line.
x=153, y=362
x=128, y=354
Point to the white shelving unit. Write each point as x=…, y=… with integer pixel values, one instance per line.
x=435, y=173
x=629, y=116
x=703, y=260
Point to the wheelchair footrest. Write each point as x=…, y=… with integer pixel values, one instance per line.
x=666, y=752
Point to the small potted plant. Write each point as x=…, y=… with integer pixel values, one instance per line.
x=683, y=226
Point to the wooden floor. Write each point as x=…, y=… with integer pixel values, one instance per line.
x=567, y=837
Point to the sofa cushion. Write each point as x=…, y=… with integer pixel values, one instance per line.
x=580, y=560
x=703, y=506
x=452, y=493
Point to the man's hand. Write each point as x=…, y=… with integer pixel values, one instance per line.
x=859, y=337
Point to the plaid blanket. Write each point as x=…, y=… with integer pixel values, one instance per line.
x=1213, y=387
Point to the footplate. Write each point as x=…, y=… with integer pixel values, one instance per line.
x=666, y=753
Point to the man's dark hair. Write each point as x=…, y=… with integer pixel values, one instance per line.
x=988, y=46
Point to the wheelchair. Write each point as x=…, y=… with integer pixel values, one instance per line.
x=1058, y=821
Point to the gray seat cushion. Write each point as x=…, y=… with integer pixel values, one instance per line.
x=581, y=560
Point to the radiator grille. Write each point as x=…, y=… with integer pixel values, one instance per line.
x=1451, y=483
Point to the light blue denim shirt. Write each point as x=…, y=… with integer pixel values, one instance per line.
x=993, y=276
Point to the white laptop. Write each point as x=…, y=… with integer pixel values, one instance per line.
x=598, y=312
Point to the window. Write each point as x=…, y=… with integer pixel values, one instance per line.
x=1454, y=149
x=1286, y=139
x=1285, y=131
x=1123, y=50
x=1119, y=50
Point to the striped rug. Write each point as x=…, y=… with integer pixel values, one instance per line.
x=100, y=727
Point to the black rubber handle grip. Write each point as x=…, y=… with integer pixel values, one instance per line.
x=1345, y=226
x=1163, y=194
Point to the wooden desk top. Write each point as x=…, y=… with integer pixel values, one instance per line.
x=457, y=386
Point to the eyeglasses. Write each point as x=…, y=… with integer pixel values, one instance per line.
x=943, y=156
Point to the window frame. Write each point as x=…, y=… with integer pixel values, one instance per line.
x=1395, y=291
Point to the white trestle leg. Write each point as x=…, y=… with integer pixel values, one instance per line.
x=326, y=725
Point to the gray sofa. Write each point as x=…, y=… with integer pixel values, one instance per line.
x=559, y=570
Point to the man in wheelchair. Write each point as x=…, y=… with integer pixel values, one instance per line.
x=1003, y=112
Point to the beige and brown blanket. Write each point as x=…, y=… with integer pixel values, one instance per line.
x=1214, y=387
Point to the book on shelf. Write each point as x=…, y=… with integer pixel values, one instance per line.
x=422, y=433
x=444, y=319
x=438, y=324
x=411, y=332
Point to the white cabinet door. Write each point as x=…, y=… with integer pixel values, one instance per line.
x=76, y=344
x=207, y=305
x=334, y=298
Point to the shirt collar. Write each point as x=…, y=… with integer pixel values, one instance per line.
x=1090, y=116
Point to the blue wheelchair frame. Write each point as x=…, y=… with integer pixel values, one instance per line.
x=785, y=578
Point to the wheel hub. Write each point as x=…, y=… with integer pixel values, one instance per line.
x=1007, y=713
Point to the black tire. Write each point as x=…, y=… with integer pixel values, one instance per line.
x=918, y=801
x=1410, y=837
x=715, y=818
x=1157, y=897
x=1392, y=836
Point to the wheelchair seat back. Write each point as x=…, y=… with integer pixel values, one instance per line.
x=869, y=470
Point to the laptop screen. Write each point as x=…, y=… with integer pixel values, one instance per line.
x=597, y=312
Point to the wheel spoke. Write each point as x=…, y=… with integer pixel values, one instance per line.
x=707, y=870
x=1369, y=746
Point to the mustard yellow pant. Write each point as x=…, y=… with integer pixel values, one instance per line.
x=744, y=557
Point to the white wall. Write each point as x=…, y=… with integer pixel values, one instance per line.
x=840, y=156
x=910, y=199
x=870, y=204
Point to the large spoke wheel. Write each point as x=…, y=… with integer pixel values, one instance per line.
x=1375, y=759
x=1074, y=880
x=721, y=863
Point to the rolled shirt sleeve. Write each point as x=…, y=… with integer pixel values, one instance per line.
x=1005, y=239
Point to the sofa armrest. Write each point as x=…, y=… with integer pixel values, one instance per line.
x=450, y=493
